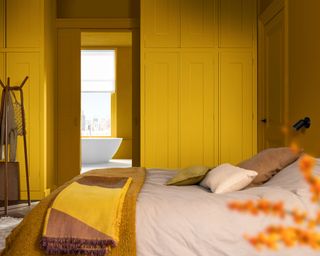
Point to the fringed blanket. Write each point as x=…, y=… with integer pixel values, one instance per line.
x=25, y=239
x=85, y=217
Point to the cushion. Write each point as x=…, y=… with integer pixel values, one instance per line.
x=291, y=178
x=269, y=162
x=227, y=178
x=189, y=176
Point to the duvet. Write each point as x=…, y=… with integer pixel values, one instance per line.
x=190, y=220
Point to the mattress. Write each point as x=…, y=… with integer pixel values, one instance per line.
x=190, y=220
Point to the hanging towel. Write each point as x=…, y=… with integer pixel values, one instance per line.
x=12, y=126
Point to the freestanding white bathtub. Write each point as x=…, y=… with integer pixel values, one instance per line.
x=98, y=150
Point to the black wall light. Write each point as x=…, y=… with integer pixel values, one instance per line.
x=303, y=123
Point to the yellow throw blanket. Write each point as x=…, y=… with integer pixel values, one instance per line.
x=85, y=217
x=25, y=239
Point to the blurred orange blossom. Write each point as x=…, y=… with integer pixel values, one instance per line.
x=304, y=232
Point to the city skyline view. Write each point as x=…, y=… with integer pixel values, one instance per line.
x=95, y=114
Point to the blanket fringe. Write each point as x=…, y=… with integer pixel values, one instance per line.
x=76, y=246
x=53, y=251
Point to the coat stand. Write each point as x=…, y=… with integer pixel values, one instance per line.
x=7, y=88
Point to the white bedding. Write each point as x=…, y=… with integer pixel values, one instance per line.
x=190, y=220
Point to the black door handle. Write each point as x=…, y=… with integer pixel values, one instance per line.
x=264, y=120
x=303, y=123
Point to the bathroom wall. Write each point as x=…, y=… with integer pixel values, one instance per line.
x=124, y=101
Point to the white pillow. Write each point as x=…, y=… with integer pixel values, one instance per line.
x=227, y=178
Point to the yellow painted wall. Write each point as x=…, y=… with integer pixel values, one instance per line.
x=50, y=93
x=124, y=101
x=68, y=105
x=136, y=97
x=97, y=8
x=304, y=75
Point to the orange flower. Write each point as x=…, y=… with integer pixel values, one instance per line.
x=294, y=147
x=264, y=206
x=312, y=224
x=278, y=209
x=261, y=206
x=317, y=219
x=272, y=236
x=298, y=217
x=289, y=236
x=315, y=188
x=306, y=165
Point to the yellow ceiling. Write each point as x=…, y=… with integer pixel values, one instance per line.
x=90, y=39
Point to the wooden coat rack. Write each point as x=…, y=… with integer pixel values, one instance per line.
x=7, y=88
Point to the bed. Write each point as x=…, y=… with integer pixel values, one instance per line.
x=190, y=220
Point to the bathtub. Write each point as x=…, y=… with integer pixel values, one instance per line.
x=98, y=150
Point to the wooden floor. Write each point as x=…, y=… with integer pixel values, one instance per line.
x=18, y=210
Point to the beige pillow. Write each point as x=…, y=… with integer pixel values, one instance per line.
x=269, y=162
x=227, y=178
x=189, y=176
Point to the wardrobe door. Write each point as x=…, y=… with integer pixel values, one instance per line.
x=2, y=68
x=20, y=65
x=198, y=23
x=237, y=23
x=197, y=106
x=2, y=23
x=24, y=23
x=160, y=23
x=160, y=82
x=236, y=107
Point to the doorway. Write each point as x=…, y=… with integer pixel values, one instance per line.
x=106, y=100
x=273, y=77
x=70, y=41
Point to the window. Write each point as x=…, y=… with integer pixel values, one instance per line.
x=97, y=85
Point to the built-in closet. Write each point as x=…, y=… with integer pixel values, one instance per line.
x=27, y=48
x=198, y=82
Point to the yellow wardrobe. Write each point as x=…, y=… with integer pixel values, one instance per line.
x=198, y=82
x=27, y=48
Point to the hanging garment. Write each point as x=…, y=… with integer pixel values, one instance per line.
x=11, y=124
x=17, y=107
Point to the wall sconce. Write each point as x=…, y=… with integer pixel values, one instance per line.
x=302, y=123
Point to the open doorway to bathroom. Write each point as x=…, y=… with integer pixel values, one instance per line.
x=106, y=100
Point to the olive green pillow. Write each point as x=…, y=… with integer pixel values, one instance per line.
x=189, y=176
